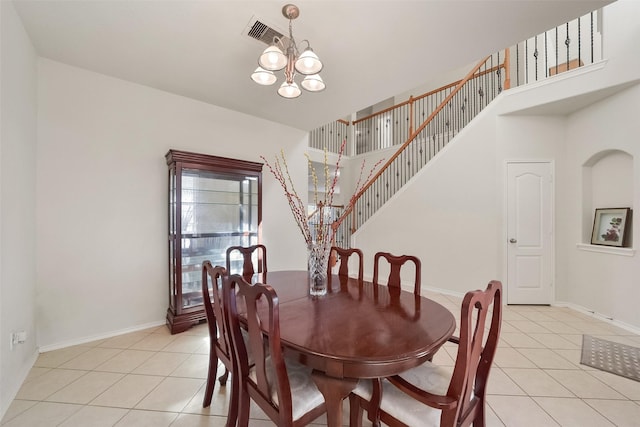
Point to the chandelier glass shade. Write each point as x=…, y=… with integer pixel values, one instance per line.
x=272, y=59
x=263, y=77
x=284, y=54
x=289, y=90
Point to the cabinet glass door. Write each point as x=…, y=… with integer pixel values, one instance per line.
x=216, y=211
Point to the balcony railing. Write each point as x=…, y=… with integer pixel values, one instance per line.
x=560, y=49
x=329, y=136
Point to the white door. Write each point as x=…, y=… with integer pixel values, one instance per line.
x=529, y=233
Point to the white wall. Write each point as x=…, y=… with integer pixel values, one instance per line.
x=102, y=196
x=603, y=282
x=611, y=180
x=17, y=203
x=599, y=282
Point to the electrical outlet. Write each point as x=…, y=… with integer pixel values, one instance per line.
x=19, y=337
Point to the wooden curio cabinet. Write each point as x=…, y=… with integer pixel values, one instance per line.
x=214, y=203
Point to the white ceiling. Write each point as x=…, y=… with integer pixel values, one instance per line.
x=371, y=50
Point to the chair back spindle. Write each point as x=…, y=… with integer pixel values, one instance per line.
x=248, y=268
x=344, y=256
x=395, y=264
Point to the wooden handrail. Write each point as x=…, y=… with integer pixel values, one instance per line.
x=432, y=92
x=345, y=122
x=413, y=135
x=316, y=210
x=377, y=113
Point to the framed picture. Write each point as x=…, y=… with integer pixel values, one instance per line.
x=610, y=227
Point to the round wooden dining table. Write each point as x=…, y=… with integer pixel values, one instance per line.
x=357, y=330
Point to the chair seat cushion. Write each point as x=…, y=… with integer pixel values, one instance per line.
x=304, y=394
x=428, y=377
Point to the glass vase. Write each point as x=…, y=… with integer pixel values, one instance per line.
x=318, y=255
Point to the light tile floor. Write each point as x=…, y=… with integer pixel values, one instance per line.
x=152, y=378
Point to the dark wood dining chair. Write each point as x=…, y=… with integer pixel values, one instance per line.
x=247, y=252
x=271, y=380
x=343, y=257
x=429, y=395
x=221, y=344
x=395, y=264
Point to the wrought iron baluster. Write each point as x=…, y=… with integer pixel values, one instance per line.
x=327, y=136
x=592, y=37
x=517, y=64
x=499, y=73
x=472, y=99
x=567, y=42
x=493, y=86
x=366, y=134
x=526, y=60
x=373, y=133
x=546, y=56
x=396, y=175
x=579, y=45
x=336, y=135
x=400, y=171
x=332, y=133
x=376, y=197
x=453, y=113
x=395, y=120
x=405, y=121
x=535, y=55
x=556, y=50
x=401, y=123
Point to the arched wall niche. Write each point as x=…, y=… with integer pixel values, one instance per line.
x=607, y=182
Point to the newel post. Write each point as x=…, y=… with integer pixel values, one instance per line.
x=507, y=68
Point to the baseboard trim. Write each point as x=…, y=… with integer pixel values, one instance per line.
x=448, y=292
x=599, y=316
x=576, y=307
x=84, y=340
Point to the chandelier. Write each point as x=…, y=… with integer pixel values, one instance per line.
x=284, y=54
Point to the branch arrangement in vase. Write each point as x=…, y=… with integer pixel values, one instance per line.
x=325, y=233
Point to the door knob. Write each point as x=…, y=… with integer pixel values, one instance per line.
x=512, y=240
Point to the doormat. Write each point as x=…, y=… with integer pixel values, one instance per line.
x=619, y=359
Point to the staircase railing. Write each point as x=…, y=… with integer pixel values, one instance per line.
x=463, y=101
x=329, y=136
x=446, y=110
x=394, y=125
x=566, y=47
